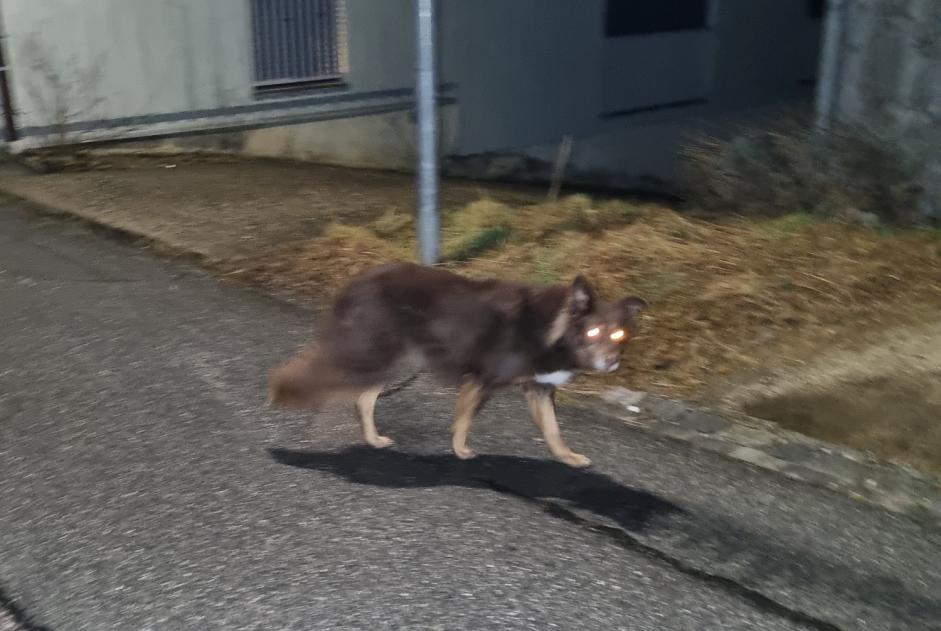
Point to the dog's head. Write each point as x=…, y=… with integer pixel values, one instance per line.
x=595, y=332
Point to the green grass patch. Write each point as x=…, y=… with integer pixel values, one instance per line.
x=789, y=224
x=478, y=243
x=475, y=229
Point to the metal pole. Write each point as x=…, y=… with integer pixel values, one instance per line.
x=6, y=101
x=428, y=220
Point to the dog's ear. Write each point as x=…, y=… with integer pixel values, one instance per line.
x=582, y=296
x=631, y=306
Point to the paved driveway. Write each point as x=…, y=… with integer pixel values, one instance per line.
x=143, y=485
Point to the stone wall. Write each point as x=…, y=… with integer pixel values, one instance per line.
x=888, y=78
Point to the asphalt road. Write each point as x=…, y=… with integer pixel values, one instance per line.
x=144, y=485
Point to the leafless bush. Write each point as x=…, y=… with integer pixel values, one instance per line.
x=62, y=91
x=792, y=167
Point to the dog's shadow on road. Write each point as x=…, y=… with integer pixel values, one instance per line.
x=528, y=478
x=566, y=493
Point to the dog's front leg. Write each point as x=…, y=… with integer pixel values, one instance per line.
x=470, y=399
x=541, y=400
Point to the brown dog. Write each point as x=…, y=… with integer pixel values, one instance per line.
x=483, y=334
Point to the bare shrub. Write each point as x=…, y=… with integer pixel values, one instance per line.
x=791, y=167
x=60, y=88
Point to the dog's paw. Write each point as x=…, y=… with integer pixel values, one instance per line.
x=573, y=459
x=380, y=442
x=464, y=453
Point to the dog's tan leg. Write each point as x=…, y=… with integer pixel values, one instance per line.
x=469, y=400
x=542, y=409
x=366, y=408
x=534, y=401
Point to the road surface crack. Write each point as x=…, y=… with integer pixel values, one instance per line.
x=626, y=540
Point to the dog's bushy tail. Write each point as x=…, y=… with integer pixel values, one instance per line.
x=308, y=380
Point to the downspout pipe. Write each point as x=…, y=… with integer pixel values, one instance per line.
x=831, y=62
x=6, y=99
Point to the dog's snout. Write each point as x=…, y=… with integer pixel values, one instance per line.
x=608, y=362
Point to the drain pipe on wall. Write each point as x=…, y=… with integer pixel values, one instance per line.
x=428, y=219
x=831, y=62
x=6, y=100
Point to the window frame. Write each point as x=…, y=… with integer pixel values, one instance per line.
x=700, y=22
x=298, y=61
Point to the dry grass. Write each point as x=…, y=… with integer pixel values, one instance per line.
x=727, y=296
x=319, y=266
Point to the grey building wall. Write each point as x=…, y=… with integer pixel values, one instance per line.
x=129, y=68
x=139, y=57
x=528, y=72
x=517, y=76
x=98, y=59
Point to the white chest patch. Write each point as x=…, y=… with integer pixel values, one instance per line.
x=556, y=378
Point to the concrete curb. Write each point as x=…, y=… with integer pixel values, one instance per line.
x=857, y=474
x=143, y=240
x=116, y=232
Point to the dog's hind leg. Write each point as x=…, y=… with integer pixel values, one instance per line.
x=470, y=399
x=366, y=409
x=541, y=402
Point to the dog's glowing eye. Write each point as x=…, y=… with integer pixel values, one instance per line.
x=595, y=332
x=618, y=335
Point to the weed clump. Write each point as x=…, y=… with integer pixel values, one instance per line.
x=846, y=172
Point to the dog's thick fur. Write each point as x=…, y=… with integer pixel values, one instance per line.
x=481, y=334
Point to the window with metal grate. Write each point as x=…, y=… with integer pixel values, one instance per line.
x=298, y=42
